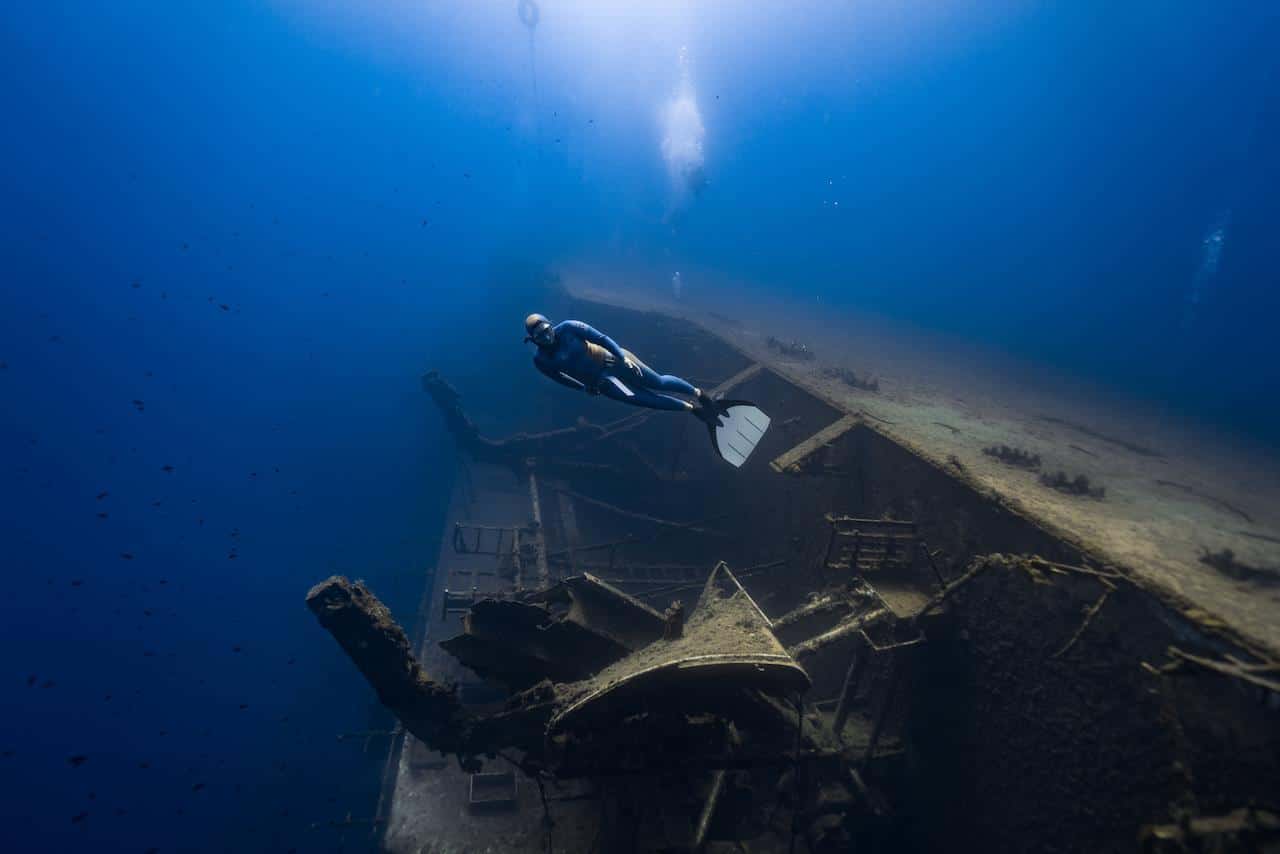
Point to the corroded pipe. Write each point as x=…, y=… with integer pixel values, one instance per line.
x=367, y=632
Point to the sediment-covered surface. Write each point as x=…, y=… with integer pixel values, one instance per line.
x=1174, y=493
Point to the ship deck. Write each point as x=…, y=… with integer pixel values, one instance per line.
x=1175, y=491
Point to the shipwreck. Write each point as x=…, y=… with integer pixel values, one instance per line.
x=851, y=643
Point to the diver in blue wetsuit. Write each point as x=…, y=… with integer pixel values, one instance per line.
x=580, y=357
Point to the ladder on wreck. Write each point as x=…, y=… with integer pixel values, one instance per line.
x=869, y=546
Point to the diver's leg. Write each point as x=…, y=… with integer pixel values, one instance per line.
x=649, y=378
x=619, y=389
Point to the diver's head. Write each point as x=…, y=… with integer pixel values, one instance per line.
x=540, y=330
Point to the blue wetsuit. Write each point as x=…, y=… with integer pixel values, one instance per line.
x=585, y=358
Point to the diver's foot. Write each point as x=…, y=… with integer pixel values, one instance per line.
x=705, y=412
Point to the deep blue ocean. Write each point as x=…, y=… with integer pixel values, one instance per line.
x=236, y=233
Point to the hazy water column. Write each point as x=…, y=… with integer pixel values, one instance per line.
x=1210, y=259
x=682, y=141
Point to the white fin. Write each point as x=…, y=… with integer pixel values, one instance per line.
x=741, y=429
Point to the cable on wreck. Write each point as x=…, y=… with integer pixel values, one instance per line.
x=796, y=770
x=536, y=773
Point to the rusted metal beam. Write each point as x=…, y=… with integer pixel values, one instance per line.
x=708, y=809
x=842, y=630
x=738, y=379
x=788, y=461
x=569, y=522
x=539, y=535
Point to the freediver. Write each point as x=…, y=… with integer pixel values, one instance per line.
x=581, y=357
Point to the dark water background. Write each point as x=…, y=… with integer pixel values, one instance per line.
x=264, y=220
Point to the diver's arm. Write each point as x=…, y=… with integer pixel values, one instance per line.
x=563, y=379
x=587, y=332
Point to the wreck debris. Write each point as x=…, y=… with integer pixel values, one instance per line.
x=1088, y=618
x=563, y=634
x=791, y=349
x=851, y=379
x=726, y=648
x=569, y=449
x=1079, y=485
x=1253, y=535
x=377, y=645
x=1225, y=505
x=747, y=373
x=1226, y=563
x=1241, y=830
x=1013, y=456
x=492, y=791
x=842, y=630
x=868, y=545
x=1264, y=674
x=789, y=461
x=673, y=618
x=1140, y=450
x=691, y=527
x=709, y=808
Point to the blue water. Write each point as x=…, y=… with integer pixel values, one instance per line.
x=264, y=220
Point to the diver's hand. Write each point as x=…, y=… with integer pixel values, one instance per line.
x=632, y=366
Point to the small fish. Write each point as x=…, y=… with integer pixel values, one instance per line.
x=244, y=706
x=166, y=468
x=49, y=683
x=139, y=405
x=32, y=680
x=102, y=515
x=186, y=246
x=77, y=760
x=126, y=555
x=197, y=787
x=136, y=284
x=235, y=649
x=79, y=817
x=224, y=306
x=76, y=582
